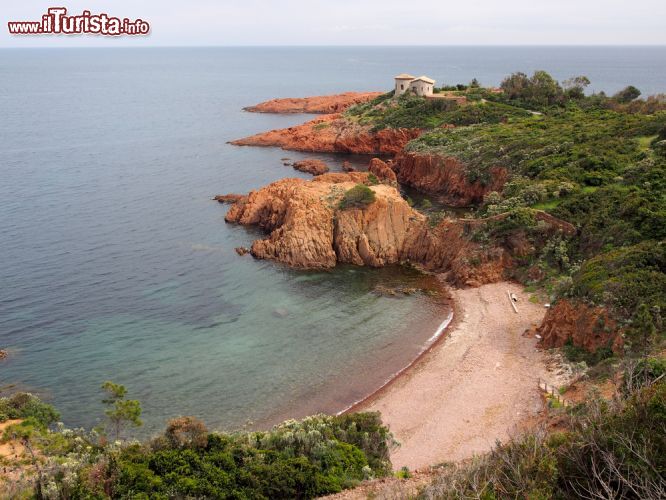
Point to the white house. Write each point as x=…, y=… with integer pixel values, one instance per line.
x=420, y=86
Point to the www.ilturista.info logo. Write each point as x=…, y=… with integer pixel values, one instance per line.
x=57, y=22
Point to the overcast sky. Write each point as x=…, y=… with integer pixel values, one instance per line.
x=360, y=22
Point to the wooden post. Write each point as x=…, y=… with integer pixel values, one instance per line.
x=512, y=302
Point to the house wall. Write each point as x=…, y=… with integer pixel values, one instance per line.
x=405, y=85
x=421, y=88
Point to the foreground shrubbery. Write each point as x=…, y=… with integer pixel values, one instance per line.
x=303, y=459
x=609, y=450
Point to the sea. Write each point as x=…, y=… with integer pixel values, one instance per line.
x=115, y=264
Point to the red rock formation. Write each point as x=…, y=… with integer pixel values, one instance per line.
x=585, y=326
x=333, y=134
x=383, y=172
x=308, y=230
x=445, y=176
x=446, y=248
x=229, y=198
x=314, y=167
x=324, y=104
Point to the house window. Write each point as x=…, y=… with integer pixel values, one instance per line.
x=402, y=87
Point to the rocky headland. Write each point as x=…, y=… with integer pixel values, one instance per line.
x=323, y=104
x=308, y=228
x=334, y=134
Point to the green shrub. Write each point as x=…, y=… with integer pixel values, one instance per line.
x=24, y=405
x=577, y=354
x=357, y=197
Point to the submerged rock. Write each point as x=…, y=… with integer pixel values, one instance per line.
x=229, y=198
x=280, y=312
x=347, y=167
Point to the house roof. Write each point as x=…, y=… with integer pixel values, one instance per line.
x=404, y=76
x=425, y=79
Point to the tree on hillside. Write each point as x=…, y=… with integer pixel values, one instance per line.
x=544, y=88
x=627, y=94
x=515, y=85
x=574, y=87
x=120, y=412
x=539, y=90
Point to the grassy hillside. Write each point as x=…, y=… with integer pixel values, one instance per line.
x=597, y=162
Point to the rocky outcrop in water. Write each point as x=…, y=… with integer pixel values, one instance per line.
x=334, y=134
x=446, y=177
x=307, y=229
x=314, y=167
x=324, y=104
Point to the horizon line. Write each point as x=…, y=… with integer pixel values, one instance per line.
x=264, y=46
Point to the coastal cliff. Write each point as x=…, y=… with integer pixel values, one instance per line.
x=588, y=327
x=322, y=104
x=446, y=177
x=333, y=134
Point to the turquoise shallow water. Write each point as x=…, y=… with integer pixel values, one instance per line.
x=116, y=265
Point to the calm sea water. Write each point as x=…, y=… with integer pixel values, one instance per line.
x=116, y=265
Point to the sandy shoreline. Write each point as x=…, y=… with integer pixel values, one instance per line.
x=472, y=387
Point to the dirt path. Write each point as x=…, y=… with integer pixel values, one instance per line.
x=472, y=389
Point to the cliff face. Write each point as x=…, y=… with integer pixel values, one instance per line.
x=585, y=326
x=324, y=104
x=383, y=172
x=333, y=134
x=446, y=248
x=445, y=176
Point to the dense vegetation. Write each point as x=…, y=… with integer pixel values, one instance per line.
x=304, y=459
x=409, y=111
